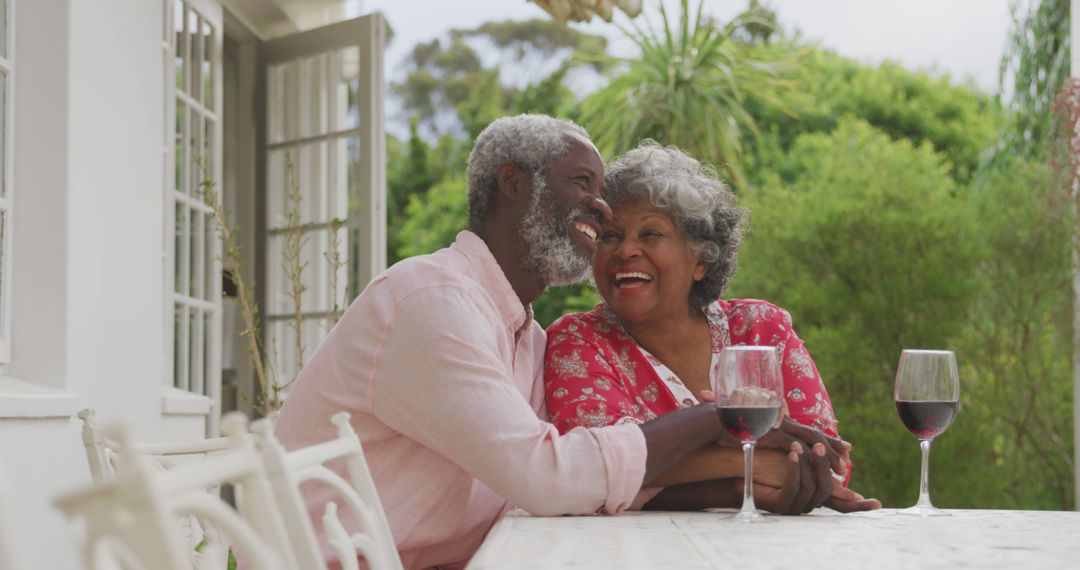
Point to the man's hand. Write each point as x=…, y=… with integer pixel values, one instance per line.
x=799, y=495
x=816, y=480
x=782, y=500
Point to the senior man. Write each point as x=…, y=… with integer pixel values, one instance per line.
x=439, y=361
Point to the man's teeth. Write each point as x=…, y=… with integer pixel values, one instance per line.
x=587, y=230
x=633, y=275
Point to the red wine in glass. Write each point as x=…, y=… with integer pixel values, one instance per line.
x=749, y=391
x=926, y=419
x=927, y=397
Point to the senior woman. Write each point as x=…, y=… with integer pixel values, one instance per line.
x=661, y=265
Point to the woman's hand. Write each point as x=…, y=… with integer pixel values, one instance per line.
x=845, y=500
x=797, y=495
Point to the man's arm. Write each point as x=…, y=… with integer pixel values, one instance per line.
x=441, y=382
x=675, y=435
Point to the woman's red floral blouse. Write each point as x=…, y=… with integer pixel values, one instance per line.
x=596, y=375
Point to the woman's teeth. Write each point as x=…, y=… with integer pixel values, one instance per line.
x=637, y=275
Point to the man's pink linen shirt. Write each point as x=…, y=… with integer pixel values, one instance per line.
x=441, y=367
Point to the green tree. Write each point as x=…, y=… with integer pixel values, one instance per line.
x=869, y=256
x=413, y=168
x=1035, y=65
x=1014, y=435
x=688, y=88
x=449, y=86
x=433, y=220
x=959, y=121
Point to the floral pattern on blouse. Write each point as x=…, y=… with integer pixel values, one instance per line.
x=596, y=374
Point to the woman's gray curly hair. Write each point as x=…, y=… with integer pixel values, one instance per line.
x=701, y=204
x=529, y=142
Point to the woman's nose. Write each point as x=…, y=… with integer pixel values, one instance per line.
x=628, y=248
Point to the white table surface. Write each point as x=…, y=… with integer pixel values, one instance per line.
x=823, y=539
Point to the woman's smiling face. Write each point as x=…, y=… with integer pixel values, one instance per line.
x=643, y=264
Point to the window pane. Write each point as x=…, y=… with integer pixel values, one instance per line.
x=208, y=149
x=179, y=143
x=3, y=133
x=353, y=193
x=312, y=98
x=283, y=102
x=208, y=343
x=195, y=352
x=181, y=243
x=194, y=147
x=196, y=250
x=210, y=255
x=194, y=56
x=179, y=22
x=207, y=65
x=3, y=276
x=344, y=95
x=315, y=274
x=179, y=347
x=3, y=28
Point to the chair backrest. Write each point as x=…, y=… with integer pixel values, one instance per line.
x=101, y=450
x=129, y=521
x=357, y=494
x=101, y=453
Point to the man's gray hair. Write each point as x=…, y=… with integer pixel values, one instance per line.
x=529, y=142
x=701, y=204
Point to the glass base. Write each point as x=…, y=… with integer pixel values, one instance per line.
x=751, y=517
x=924, y=511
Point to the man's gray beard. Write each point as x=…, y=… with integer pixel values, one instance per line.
x=549, y=252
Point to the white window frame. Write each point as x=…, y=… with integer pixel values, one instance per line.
x=7, y=64
x=199, y=373
x=362, y=209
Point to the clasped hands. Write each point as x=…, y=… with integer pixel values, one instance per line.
x=794, y=467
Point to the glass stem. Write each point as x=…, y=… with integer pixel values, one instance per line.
x=924, y=479
x=748, y=477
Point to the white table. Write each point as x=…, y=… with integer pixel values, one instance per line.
x=823, y=539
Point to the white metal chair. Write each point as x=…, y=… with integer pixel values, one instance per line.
x=101, y=451
x=128, y=522
x=288, y=470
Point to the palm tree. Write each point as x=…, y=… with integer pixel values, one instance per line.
x=689, y=87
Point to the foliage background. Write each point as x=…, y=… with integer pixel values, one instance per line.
x=890, y=209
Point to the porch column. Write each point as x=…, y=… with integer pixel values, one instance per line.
x=1074, y=72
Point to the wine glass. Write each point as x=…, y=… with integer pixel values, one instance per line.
x=927, y=395
x=749, y=392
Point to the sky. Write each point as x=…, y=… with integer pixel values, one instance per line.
x=963, y=38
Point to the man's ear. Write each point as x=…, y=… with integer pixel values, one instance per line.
x=514, y=183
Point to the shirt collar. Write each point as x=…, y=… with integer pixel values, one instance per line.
x=491, y=277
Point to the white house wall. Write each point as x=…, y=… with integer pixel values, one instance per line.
x=115, y=207
x=88, y=278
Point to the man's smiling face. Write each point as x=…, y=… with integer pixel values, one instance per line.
x=566, y=208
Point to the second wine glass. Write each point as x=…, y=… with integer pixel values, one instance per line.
x=749, y=392
x=927, y=395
